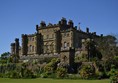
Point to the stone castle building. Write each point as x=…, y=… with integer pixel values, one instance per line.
x=62, y=38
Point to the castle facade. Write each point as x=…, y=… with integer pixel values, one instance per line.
x=62, y=38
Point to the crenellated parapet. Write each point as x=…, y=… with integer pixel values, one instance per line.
x=62, y=24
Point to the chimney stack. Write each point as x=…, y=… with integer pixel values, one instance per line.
x=87, y=30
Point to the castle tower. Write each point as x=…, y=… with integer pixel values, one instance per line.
x=12, y=48
x=24, y=44
x=39, y=43
x=68, y=55
x=42, y=24
x=87, y=30
x=63, y=21
x=70, y=23
x=17, y=46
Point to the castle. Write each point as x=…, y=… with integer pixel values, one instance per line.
x=63, y=39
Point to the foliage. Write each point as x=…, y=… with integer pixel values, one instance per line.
x=14, y=58
x=18, y=71
x=109, y=62
x=50, y=68
x=107, y=45
x=4, y=57
x=87, y=71
x=61, y=72
x=45, y=59
x=82, y=56
x=113, y=75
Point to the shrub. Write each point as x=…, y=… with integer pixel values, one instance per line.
x=61, y=72
x=87, y=72
x=44, y=75
x=13, y=74
x=113, y=75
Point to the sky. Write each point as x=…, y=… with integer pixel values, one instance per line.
x=21, y=16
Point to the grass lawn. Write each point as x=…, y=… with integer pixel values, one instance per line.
x=40, y=80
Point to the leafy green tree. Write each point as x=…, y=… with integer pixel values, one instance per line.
x=90, y=51
x=4, y=57
x=107, y=45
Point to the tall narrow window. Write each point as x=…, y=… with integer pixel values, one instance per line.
x=64, y=34
x=47, y=36
x=65, y=44
x=30, y=48
x=68, y=45
x=33, y=48
x=32, y=39
x=52, y=35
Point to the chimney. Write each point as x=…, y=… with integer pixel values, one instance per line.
x=37, y=28
x=63, y=21
x=42, y=24
x=70, y=23
x=94, y=33
x=101, y=35
x=87, y=30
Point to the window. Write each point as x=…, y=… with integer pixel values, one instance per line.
x=32, y=38
x=64, y=58
x=52, y=35
x=68, y=35
x=44, y=37
x=29, y=38
x=52, y=47
x=33, y=48
x=77, y=44
x=65, y=44
x=47, y=36
x=30, y=48
x=64, y=34
x=68, y=45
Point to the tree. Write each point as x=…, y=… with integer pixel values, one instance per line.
x=107, y=45
x=4, y=57
x=92, y=52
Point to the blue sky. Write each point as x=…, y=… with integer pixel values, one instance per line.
x=21, y=16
